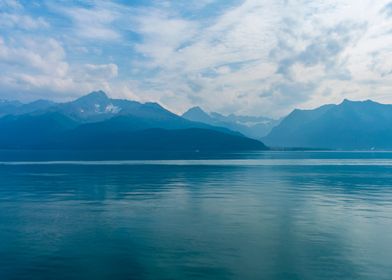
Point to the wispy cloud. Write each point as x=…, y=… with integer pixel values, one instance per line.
x=10, y=4
x=277, y=54
x=38, y=68
x=94, y=21
x=11, y=20
x=255, y=57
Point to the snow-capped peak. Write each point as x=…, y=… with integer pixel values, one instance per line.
x=112, y=109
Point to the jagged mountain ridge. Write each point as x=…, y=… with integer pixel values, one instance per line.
x=97, y=121
x=348, y=125
x=250, y=126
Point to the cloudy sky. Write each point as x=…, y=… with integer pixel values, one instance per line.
x=256, y=57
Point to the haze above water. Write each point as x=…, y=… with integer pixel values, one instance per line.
x=264, y=215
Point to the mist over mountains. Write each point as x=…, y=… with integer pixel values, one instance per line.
x=95, y=121
x=350, y=125
x=18, y=108
x=250, y=126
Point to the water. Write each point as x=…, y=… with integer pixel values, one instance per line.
x=267, y=215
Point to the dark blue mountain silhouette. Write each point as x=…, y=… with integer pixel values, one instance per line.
x=250, y=126
x=18, y=108
x=349, y=125
x=95, y=121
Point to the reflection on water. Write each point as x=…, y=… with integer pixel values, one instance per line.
x=198, y=220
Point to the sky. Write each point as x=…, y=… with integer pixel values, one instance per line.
x=254, y=57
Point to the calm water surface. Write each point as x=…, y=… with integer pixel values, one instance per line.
x=268, y=215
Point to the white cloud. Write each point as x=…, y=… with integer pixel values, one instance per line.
x=14, y=16
x=12, y=4
x=162, y=33
x=95, y=23
x=38, y=67
x=254, y=57
x=303, y=74
x=101, y=71
x=13, y=20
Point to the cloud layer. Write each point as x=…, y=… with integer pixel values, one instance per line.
x=249, y=57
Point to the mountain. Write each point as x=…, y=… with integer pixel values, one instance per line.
x=28, y=131
x=8, y=107
x=253, y=127
x=197, y=114
x=154, y=139
x=17, y=108
x=349, y=125
x=95, y=121
x=95, y=106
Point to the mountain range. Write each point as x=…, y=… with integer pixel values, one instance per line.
x=349, y=125
x=95, y=121
x=250, y=126
x=19, y=108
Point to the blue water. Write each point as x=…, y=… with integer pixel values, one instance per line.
x=265, y=215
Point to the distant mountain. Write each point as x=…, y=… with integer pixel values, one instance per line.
x=9, y=107
x=349, y=125
x=18, y=108
x=197, y=114
x=125, y=114
x=253, y=127
x=96, y=121
x=155, y=139
x=97, y=106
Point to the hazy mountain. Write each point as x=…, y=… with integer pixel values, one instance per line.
x=17, y=108
x=28, y=131
x=253, y=127
x=349, y=125
x=156, y=139
x=8, y=107
x=197, y=114
x=95, y=106
x=96, y=121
